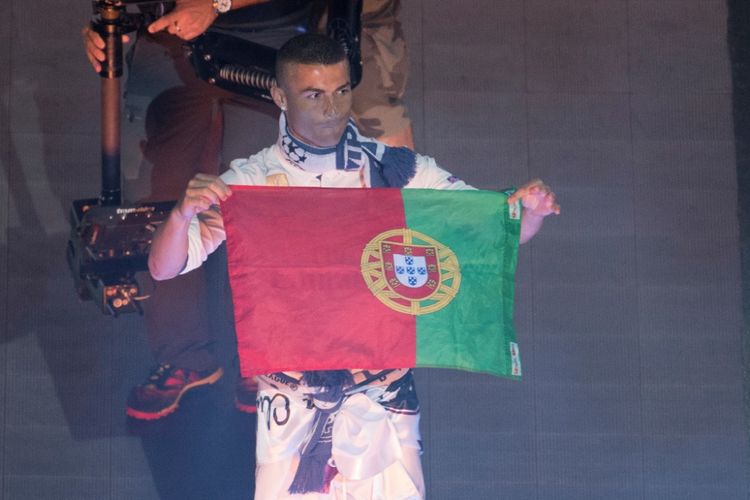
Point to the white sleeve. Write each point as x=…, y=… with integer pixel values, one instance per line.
x=430, y=176
x=205, y=234
x=206, y=231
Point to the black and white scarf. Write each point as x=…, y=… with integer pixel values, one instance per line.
x=389, y=166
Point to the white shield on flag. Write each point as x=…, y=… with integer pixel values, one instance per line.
x=411, y=270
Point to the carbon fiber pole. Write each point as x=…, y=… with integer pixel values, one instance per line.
x=109, y=27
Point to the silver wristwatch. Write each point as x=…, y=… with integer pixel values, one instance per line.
x=222, y=6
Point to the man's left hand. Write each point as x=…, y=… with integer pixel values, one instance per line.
x=538, y=202
x=536, y=198
x=189, y=19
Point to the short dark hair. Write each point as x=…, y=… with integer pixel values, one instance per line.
x=309, y=48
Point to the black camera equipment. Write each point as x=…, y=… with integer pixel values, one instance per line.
x=109, y=243
x=247, y=68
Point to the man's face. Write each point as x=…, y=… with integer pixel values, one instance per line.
x=318, y=100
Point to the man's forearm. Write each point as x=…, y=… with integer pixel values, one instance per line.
x=191, y=18
x=531, y=223
x=169, y=249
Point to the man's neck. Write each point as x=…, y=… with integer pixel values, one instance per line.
x=306, y=142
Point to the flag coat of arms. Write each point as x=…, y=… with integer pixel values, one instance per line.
x=327, y=279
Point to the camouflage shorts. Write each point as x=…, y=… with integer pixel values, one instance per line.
x=378, y=99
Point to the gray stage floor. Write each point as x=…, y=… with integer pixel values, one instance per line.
x=629, y=303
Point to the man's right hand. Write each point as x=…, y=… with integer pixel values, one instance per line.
x=202, y=193
x=169, y=248
x=94, y=46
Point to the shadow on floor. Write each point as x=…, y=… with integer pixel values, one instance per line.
x=204, y=451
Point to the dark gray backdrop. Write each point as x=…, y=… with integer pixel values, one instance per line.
x=628, y=310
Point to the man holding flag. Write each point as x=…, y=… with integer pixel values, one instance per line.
x=325, y=429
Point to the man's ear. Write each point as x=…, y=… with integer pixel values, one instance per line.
x=278, y=97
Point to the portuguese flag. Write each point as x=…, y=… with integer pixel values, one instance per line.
x=326, y=279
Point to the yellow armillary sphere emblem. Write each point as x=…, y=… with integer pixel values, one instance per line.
x=410, y=272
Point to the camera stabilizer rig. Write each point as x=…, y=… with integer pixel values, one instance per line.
x=109, y=243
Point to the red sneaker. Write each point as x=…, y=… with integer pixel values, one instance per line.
x=160, y=394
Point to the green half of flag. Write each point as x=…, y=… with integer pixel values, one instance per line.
x=373, y=278
x=475, y=331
